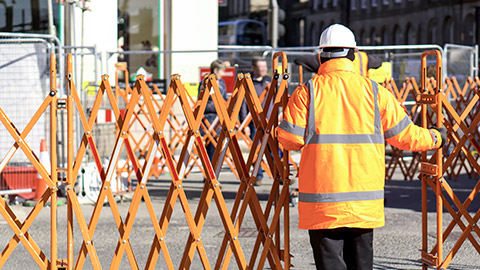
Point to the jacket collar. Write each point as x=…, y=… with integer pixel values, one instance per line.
x=340, y=64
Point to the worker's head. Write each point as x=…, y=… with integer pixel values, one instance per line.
x=259, y=67
x=337, y=41
x=218, y=67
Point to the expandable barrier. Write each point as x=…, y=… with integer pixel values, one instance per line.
x=408, y=163
x=139, y=132
x=462, y=132
x=271, y=220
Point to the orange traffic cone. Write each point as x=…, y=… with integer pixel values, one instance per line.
x=41, y=185
x=156, y=160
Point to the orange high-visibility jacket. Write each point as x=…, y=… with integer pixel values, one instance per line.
x=341, y=120
x=361, y=63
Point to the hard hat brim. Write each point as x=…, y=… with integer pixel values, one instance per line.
x=349, y=47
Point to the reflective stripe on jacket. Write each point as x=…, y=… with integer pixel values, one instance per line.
x=361, y=63
x=341, y=120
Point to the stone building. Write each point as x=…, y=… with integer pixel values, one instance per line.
x=377, y=22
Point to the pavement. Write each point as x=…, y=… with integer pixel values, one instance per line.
x=396, y=245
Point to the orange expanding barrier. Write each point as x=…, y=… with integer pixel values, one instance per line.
x=408, y=163
x=271, y=218
x=462, y=129
x=140, y=129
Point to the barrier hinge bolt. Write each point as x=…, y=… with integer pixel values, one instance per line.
x=123, y=132
x=20, y=235
x=235, y=238
x=124, y=241
x=198, y=240
x=161, y=239
x=179, y=186
x=159, y=133
x=87, y=243
x=19, y=141
x=141, y=187
x=88, y=132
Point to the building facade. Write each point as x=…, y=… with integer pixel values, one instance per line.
x=382, y=22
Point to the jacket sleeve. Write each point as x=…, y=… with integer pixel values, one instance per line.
x=399, y=130
x=291, y=130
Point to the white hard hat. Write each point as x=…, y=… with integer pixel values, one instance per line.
x=337, y=35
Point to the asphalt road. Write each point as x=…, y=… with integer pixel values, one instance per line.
x=396, y=244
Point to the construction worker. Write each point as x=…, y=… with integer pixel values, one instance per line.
x=340, y=120
x=362, y=62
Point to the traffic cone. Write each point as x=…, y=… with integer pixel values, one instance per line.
x=41, y=185
x=155, y=165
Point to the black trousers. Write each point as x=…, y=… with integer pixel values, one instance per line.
x=342, y=248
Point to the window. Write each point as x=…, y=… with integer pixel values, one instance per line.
x=386, y=2
x=363, y=4
x=468, y=30
x=411, y=35
x=432, y=32
x=301, y=28
x=374, y=3
x=313, y=34
x=362, y=37
x=397, y=1
x=384, y=36
x=374, y=37
x=397, y=33
x=335, y=3
x=353, y=5
x=448, y=30
x=325, y=4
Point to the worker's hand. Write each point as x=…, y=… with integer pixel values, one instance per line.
x=443, y=134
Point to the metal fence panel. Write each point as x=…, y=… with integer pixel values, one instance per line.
x=24, y=75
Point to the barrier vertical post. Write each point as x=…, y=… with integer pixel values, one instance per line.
x=69, y=164
x=432, y=170
x=53, y=164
